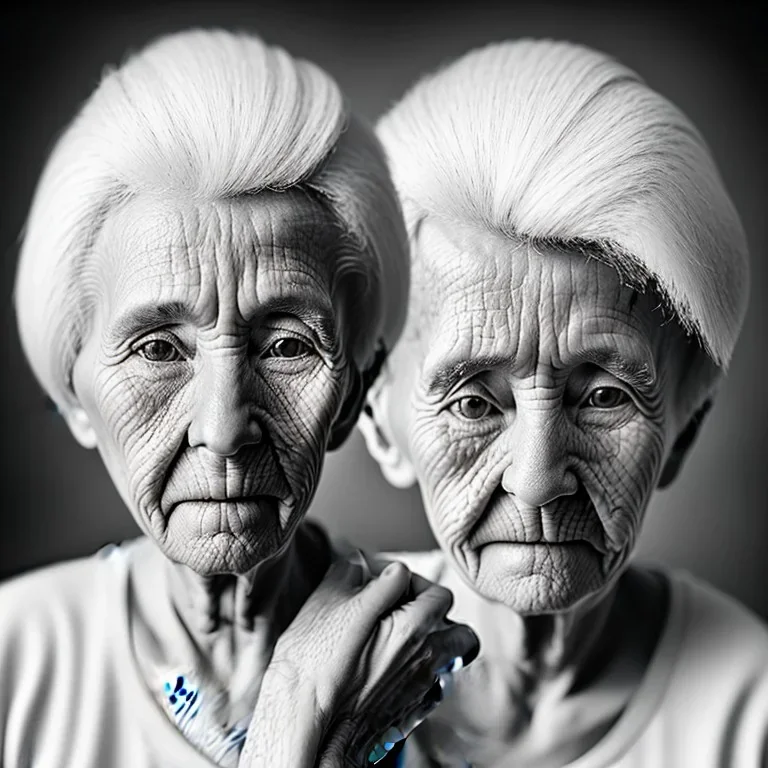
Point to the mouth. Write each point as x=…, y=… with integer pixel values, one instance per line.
x=231, y=499
x=223, y=499
x=237, y=515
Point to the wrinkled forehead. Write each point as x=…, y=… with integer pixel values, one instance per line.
x=158, y=245
x=472, y=285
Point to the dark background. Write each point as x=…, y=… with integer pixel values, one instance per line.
x=57, y=500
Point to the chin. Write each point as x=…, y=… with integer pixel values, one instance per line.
x=221, y=553
x=537, y=579
x=230, y=537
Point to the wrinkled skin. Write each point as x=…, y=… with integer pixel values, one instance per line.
x=537, y=402
x=210, y=381
x=539, y=417
x=386, y=645
x=211, y=377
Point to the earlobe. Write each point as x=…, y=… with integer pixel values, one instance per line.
x=681, y=447
x=396, y=468
x=80, y=426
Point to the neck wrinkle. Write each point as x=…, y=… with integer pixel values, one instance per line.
x=206, y=604
x=540, y=647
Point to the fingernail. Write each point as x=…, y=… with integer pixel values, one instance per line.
x=454, y=665
x=386, y=743
x=379, y=752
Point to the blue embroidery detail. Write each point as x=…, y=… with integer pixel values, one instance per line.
x=183, y=695
x=184, y=701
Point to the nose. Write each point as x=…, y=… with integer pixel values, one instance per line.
x=538, y=471
x=223, y=421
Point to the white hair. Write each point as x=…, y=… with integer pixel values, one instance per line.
x=206, y=115
x=553, y=142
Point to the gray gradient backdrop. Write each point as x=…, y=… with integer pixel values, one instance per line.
x=58, y=501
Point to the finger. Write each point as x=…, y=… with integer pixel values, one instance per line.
x=343, y=572
x=444, y=653
x=356, y=619
x=426, y=611
x=398, y=646
x=419, y=584
x=455, y=642
x=385, y=591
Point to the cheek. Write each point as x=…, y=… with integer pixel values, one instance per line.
x=144, y=422
x=619, y=470
x=457, y=473
x=298, y=412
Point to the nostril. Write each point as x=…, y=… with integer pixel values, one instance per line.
x=254, y=428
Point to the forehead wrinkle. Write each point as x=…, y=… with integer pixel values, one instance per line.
x=580, y=323
x=232, y=254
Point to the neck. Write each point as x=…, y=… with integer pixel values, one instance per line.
x=220, y=629
x=545, y=688
x=547, y=646
x=270, y=593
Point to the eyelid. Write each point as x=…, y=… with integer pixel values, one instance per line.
x=277, y=334
x=264, y=346
x=469, y=387
x=285, y=323
x=621, y=386
x=478, y=391
x=161, y=334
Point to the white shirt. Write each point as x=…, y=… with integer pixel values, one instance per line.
x=71, y=693
x=703, y=700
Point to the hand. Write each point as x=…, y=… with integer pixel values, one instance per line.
x=362, y=656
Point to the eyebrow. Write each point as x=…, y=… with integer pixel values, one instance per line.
x=145, y=317
x=637, y=371
x=448, y=374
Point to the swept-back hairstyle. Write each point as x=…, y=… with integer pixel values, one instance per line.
x=552, y=142
x=206, y=115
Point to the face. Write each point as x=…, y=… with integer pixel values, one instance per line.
x=537, y=416
x=214, y=370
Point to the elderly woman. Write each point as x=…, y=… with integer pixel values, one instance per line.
x=200, y=291
x=579, y=278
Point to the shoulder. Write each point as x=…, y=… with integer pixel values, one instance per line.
x=49, y=605
x=718, y=628
x=46, y=589
x=717, y=693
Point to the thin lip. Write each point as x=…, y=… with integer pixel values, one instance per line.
x=538, y=541
x=228, y=499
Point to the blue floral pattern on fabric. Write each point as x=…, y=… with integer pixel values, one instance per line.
x=185, y=704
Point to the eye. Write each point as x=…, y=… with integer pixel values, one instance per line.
x=471, y=407
x=607, y=397
x=289, y=347
x=159, y=351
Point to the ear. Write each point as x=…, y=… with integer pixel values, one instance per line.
x=374, y=427
x=79, y=425
x=682, y=446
